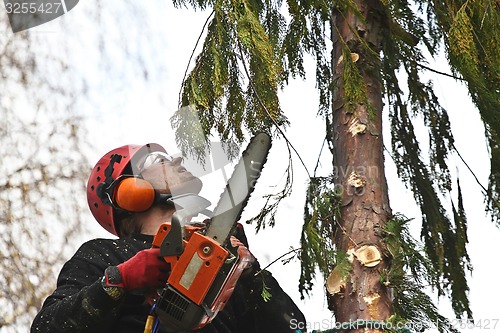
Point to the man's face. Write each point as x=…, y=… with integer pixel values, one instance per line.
x=169, y=176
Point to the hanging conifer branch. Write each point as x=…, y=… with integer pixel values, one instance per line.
x=441, y=73
x=215, y=85
x=192, y=55
x=318, y=251
x=277, y=126
x=409, y=271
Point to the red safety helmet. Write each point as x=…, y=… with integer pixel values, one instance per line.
x=122, y=161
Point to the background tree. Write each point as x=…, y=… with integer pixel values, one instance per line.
x=41, y=168
x=46, y=107
x=251, y=50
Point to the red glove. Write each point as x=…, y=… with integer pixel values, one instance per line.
x=146, y=269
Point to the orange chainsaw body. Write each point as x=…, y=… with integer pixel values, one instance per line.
x=201, y=281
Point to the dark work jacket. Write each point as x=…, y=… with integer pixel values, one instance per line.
x=79, y=304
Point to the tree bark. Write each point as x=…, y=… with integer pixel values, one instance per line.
x=355, y=136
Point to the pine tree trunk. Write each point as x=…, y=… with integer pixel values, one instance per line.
x=356, y=142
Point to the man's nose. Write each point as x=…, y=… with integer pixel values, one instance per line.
x=177, y=160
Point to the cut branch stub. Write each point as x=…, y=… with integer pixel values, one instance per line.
x=356, y=180
x=354, y=57
x=335, y=282
x=357, y=127
x=368, y=255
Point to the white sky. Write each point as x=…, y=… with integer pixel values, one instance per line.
x=131, y=111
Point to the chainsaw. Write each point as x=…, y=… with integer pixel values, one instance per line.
x=204, y=266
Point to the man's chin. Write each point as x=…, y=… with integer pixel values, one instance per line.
x=193, y=185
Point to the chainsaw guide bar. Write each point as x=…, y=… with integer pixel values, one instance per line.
x=239, y=188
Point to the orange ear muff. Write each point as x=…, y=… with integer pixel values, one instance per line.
x=135, y=194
